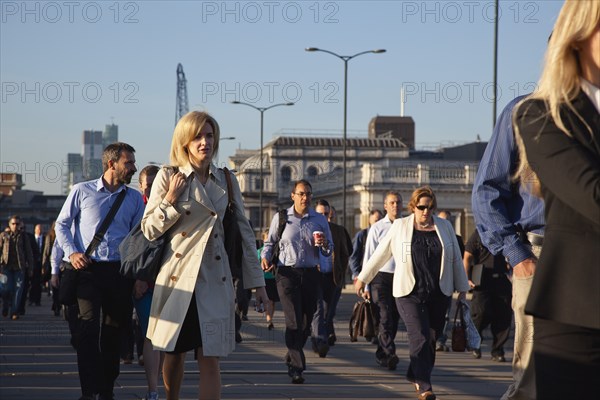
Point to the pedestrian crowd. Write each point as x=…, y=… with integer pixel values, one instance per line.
x=532, y=258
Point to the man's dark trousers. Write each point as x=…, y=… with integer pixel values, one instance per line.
x=298, y=290
x=104, y=299
x=381, y=293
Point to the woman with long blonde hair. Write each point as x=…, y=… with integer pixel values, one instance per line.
x=558, y=131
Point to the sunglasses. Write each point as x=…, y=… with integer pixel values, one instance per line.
x=423, y=208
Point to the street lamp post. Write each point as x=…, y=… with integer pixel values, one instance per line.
x=345, y=59
x=262, y=112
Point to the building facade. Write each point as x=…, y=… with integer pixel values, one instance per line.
x=373, y=167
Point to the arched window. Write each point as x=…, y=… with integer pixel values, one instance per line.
x=286, y=174
x=311, y=172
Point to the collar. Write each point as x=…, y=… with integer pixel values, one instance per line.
x=188, y=170
x=100, y=186
x=592, y=92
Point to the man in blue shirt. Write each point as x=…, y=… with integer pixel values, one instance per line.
x=380, y=288
x=298, y=279
x=510, y=221
x=101, y=291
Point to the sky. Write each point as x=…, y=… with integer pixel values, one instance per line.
x=70, y=66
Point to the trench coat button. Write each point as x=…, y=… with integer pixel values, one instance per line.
x=177, y=255
x=188, y=212
x=218, y=257
x=161, y=217
x=184, y=234
x=216, y=235
x=173, y=278
x=213, y=213
x=223, y=279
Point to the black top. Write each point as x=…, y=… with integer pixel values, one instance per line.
x=426, y=252
x=493, y=266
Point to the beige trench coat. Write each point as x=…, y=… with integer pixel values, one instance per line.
x=195, y=259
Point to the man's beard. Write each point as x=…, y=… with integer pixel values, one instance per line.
x=125, y=178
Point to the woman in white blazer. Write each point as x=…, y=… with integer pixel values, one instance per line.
x=193, y=301
x=429, y=269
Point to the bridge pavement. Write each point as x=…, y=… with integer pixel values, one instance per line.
x=37, y=363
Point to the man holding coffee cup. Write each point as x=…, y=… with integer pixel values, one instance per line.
x=305, y=238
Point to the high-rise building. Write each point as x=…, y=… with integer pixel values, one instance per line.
x=110, y=135
x=73, y=172
x=92, y=154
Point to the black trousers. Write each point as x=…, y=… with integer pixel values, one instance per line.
x=381, y=293
x=491, y=306
x=298, y=290
x=35, y=286
x=104, y=299
x=423, y=320
x=567, y=360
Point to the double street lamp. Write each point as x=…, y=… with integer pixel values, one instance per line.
x=345, y=59
x=262, y=112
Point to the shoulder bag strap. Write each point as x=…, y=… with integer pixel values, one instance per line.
x=229, y=186
x=105, y=223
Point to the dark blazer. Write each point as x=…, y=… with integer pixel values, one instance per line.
x=566, y=286
x=342, y=248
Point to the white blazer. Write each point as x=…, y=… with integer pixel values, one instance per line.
x=397, y=243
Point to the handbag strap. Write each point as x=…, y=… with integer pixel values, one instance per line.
x=229, y=186
x=99, y=235
x=459, y=313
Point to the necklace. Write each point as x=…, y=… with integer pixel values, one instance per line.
x=423, y=226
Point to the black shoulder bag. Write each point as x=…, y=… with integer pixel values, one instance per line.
x=67, y=292
x=233, y=235
x=280, y=228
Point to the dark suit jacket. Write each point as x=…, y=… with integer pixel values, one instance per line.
x=342, y=248
x=566, y=286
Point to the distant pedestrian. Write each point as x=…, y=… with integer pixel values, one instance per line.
x=333, y=273
x=490, y=305
x=142, y=301
x=380, y=288
x=16, y=262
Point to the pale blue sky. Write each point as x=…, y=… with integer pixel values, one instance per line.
x=56, y=56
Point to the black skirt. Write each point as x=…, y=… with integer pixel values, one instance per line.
x=271, y=288
x=190, y=337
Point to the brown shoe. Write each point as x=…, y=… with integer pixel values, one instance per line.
x=15, y=317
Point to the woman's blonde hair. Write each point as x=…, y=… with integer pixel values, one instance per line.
x=423, y=191
x=188, y=127
x=560, y=81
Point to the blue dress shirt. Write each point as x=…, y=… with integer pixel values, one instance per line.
x=504, y=208
x=296, y=245
x=377, y=231
x=85, y=208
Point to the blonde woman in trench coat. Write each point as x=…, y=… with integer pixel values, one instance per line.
x=193, y=301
